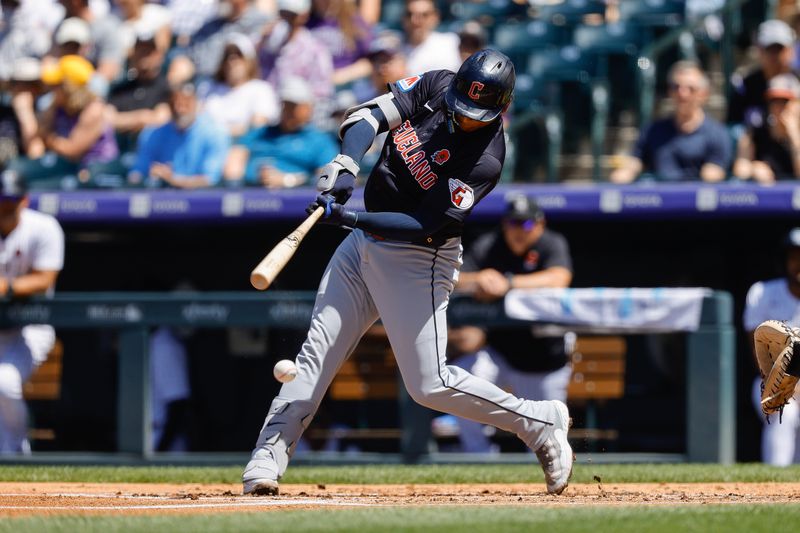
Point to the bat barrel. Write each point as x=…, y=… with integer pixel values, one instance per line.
x=268, y=269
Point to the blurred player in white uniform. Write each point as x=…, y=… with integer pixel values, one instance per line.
x=31, y=256
x=778, y=299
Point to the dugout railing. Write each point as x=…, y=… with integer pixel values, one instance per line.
x=710, y=374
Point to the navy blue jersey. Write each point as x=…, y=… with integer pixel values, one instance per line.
x=423, y=168
x=523, y=350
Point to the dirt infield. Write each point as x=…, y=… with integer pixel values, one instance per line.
x=26, y=499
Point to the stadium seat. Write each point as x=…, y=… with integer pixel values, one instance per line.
x=518, y=40
x=653, y=12
x=569, y=63
x=111, y=175
x=613, y=38
x=551, y=72
x=571, y=11
x=392, y=12
x=614, y=47
x=491, y=11
x=47, y=173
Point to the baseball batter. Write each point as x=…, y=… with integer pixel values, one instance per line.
x=444, y=153
x=31, y=256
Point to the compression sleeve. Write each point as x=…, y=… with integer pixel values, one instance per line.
x=358, y=138
x=397, y=226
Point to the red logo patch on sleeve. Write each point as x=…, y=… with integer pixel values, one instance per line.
x=406, y=84
x=440, y=157
x=461, y=194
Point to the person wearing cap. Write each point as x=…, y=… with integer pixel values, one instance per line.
x=522, y=254
x=37, y=242
x=471, y=38
x=288, y=49
x=19, y=125
x=387, y=65
x=777, y=299
x=286, y=154
x=236, y=98
x=689, y=145
x=75, y=127
x=187, y=152
x=106, y=46
x=776, y=41
x=772, y=151
x=141, y=99
x=73, y=37
x=338, y=25
x=208, y=43
x=425, y=48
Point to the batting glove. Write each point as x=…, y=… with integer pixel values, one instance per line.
x=339, y=178
x=335, y=213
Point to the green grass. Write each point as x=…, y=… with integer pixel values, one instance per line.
x=750, y=518
x=377, y=474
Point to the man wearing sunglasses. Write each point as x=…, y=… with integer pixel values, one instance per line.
x=687, y=146
x=522, y=254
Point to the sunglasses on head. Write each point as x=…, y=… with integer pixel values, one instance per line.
x=526, y=224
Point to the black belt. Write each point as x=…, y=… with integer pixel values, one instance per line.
x=428, y=242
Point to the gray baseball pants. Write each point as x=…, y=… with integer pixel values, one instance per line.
x=408, y=287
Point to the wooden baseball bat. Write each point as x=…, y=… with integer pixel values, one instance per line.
x=267, y=270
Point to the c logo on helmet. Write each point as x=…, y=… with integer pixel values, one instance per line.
x=475, y=90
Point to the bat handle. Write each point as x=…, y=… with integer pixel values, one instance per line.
x=316, y=215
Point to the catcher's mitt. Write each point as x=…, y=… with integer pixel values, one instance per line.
x=775, y=345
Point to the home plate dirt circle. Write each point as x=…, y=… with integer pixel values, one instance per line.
x=40, y=499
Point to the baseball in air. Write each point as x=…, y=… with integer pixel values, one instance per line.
x=284, y=371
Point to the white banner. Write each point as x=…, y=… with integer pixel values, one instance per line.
x=645, y=309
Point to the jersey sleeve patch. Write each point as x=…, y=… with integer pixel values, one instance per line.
x=461, y=194
x=406, y=84
x=440, y=157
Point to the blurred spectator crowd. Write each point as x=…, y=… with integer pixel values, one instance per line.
x=201, y=93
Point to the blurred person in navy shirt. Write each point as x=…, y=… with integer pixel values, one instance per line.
x=687, y=146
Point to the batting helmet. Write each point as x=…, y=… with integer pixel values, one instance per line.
x=483, y=86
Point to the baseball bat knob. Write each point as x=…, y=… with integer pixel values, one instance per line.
x=259, y=281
